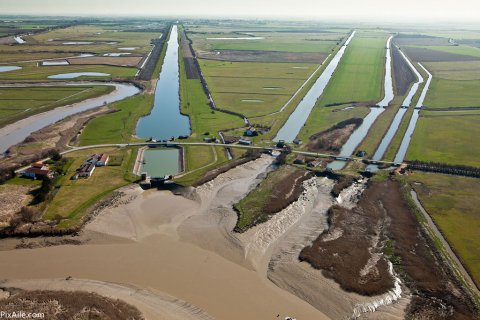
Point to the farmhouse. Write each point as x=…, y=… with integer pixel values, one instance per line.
x=38, y=170
x=315, y=163
x=99, y=160
x=300, y=159
x=250, y=132
x=86, y=170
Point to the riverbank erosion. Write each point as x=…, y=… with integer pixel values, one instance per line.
x=181, y=245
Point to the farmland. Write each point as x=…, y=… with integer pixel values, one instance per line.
x=453, y=204
x=254, y=88
x=446, y=139
x=357, y=81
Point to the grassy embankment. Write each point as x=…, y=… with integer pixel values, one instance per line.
x=269, y=196
x=453, y=204
x=19, y=103
x=358, y=78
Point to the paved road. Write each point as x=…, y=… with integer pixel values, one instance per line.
x=175, y=143
x=453, y=257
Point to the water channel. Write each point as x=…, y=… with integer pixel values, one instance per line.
x=165, y=119
x=297, y=119
x=402, y=151
x=361, y=132
x=16, y=132
x=382, y=148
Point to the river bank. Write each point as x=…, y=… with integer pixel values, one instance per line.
x=18, y=131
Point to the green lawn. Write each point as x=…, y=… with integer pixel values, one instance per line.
x=453, y=203
x=18, y=103
x=451, y=93
x=446, y=139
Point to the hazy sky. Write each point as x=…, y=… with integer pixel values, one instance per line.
x=383, y=10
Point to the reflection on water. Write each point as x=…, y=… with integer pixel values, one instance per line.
x=165, y=119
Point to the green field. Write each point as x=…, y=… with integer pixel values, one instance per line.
x=18, y=103
x=246, y=87
x=30, y=71
x=451, y=93
x=455, y=70
x=446, y=139
x=359, y=77
x=461, y=49
x=453, y=203
x=117, y=127
x=74, y=197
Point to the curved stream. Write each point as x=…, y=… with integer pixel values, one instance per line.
x=16, y=132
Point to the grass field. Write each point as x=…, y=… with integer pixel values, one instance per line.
x=453, y=203
x=461, y=49
x=359, y=77
x=30, y=71
x=119, y=126
x=451, y=93
x=446, y=139
x=254, y=88
x=455, y=70
x=194, y=102
x=75, y=196
x=18, y=103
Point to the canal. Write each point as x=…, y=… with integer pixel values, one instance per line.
x=297, y=119
x=387, y=139
x=402, y=151
x=361, y=132
x=165, y=120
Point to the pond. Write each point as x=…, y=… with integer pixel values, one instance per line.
x=73, y=75
x=9, y=68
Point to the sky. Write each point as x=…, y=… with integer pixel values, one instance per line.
x=341, y=10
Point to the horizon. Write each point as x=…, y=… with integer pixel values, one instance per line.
x=448, y=12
